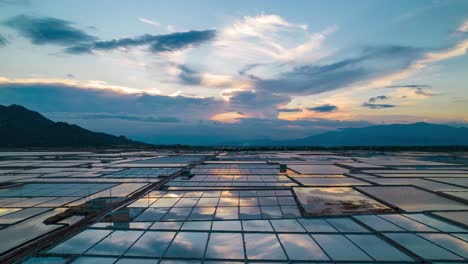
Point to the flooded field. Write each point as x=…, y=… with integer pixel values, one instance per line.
x=233, y=207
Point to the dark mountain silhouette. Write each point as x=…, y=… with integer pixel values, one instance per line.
x=20, y=127
x=416, y=134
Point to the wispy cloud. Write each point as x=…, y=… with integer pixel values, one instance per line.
x=418, y=89
x=69, y=98
x=149, y=22
x=289, y=110
x=314, y=79
x=48, y=30
x=229, y=117
x=414, y=86
x=326, y=108
x=74, y=83
x=3, y=41
x=377, y=106
x=422, y=92
x=454, y=51
x=156, y=43
x=150, y=119
x=372, y=103
x=378, y=98
x=463, y=28
x=257, y=103
x=269, y=38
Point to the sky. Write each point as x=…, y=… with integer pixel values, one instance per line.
x=211, y=72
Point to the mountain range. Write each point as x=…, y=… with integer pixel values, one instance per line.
x=20, y=127
x=415, y=134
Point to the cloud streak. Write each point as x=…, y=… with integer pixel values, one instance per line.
x=290, y=110
x=463, y=28
x=48, y=30
x=64, y=98
x=257, y=103
x=156, y=43
x=372, y=103
x=377, y=98
x=418, y=89
x=150, y=119
x=149, y=22
x=313, y=79
x=326, y=108
x=3, y=41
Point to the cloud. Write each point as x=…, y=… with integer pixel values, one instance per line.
x=181, y=40
x=436, y=55
x=257, y=103
x=421, y=92
x=458, y=49
x=377, y=106
x=256, y=98
x=156, y=43
x=409, y=86
x=372, y=63
x=372, y=102
x=188, y=76
x=151, y=119
x=149, y=22
x=463, y=28
x=3, y=41
x=326, y=108
x=289, y=110
x=378, y=98
x=48, y=30
x=229, y=117
x=73, y=83
x=51, y=95
x=268, y=39
x=73, y=99
x=418, y=89
x=157, y=118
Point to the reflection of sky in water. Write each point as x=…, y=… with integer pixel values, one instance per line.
x=81, y=242
x=151, y=244
x=263, y=246
x=455, y=245
x=301, y=247
x=421, y=247
x=116, y=243
x=225, y=246
x=4, y=211
x=188, y=245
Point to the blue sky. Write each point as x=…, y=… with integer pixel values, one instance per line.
x=202, y=72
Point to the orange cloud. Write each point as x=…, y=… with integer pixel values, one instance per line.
x=228, y=117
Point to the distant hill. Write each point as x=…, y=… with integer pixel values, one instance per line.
x=20, y=127
x=416, y=134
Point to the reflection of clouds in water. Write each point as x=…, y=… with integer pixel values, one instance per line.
x=120, y=239
x=228, y=246
x=151, y=240
x=189, y=241
x=262, y=246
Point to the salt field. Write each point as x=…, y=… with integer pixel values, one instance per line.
x=233, y=207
